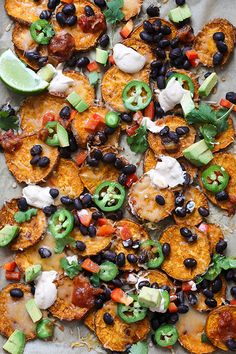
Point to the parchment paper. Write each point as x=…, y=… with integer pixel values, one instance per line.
x=203, y=11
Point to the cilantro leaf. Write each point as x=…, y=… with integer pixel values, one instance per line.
x=8, y=122
x=139, y=348
x=71, y=268
x=219, y=262
x=138, y=142
x=113, y=13
x=209, y=131
x=62, y=242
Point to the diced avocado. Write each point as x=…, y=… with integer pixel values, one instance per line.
x=7, y=234
x=208, y=85
x=101, y=56
x=32, y=272
x=47, y=72
x=198, y=153
x=93, y=78
x=81, y=106
x=185, y=11
x=15, y=343
x=62, y=136
x=187, y=103
x=149, y=297
x=33, y=310
x=180, y=13
x=73, y=98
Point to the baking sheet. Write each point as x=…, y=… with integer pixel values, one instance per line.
x=203, y=11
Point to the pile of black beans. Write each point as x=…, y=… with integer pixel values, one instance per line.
x=222, y=47
x=67, y=15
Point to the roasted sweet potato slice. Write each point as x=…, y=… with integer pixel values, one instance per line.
x=13, y=312
x=66, y=178
x=119, y=335
x=157, y=276
x=142, y=201
x=205, y=45
x=188, y=167
x=173, y=122
x=131, y=8
x=89, y=321
x=223, y=140
x=19, y=165
x=137, y=233
x=217, y=318
x=141, y=47
x=94, y=245
x=24, y=10
x=228, y=161
x=136, y=33
x=83, y=41
x=191, y=328
x=22, y=38
x=192, y=194
x=173, y=265
x=114, y=82
x=214, y=234
x=21, y=55
x=30, y=231
x=31, y=256
x=219, y=297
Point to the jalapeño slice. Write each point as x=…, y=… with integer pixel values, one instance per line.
x=61, y=223
x=132, y=313
x=136, y=95
x=166, y=335
x=109, y=196
x=154, y=252
x=41, y=31
x=215, y=178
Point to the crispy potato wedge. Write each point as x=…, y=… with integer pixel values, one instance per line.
x=190, y=328
x=142, y=201
x=119, y=335
x=205, y=45
x=194, y=218
x=30, y=231
x=83, y=41
x=228, y=161
x=219, y=297
x=172, y=122
x=93, y=176
x=22, y=38
x=13, y=312
x=223, y=140
x=94, y=245
x=136, y=33
x=31, y=256
x=138, y=233
x=89, y=320
x=192, y=76
x=65, y=177
x=114, y=82
x=19, y=165
x=213, y=329
x=199, y=250
x=25, y=11
x=131, y=8
x=141, y=47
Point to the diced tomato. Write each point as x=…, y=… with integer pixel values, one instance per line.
x=90, y=266
x=67, y=1
x=227, y=104
x=12, y=275
x=131, y=179
x=85, y=216
x=203, y=227
x=111, y=60
x=150, y=110
x=118, y=295
x=169, y=347
x=73, y=114
x=233, y=302
x=125, y=232
x=131, y=129
x=11, y=266
x=186, y=287
x=102, y=221
x=105, y=230
x=48, y=117
x=93, y=122
x=127, y=29
x=172, y=308
x=81, y=157
x=93, y=66
x=192, y=57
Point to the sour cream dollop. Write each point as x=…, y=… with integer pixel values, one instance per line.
x=127, y=59
x=151, y=126
x=171, y=95
x=37, y=196
x=167, y=173
x=45, y=290
x=60, y=83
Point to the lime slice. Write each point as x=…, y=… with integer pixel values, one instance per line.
x=17, y=76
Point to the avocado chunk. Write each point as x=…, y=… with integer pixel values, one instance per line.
x=77, y=102
x=199, y=153
x=47, y=72
x=7, y=234
x=62, y=136
x=93, y=78
x=33, y=310
x=15, y=343
x=187, y=103
x=81, y=106
x=208, y=85
x=32, y=272
x=180, y=13
x=101, y=56
x=149, y=297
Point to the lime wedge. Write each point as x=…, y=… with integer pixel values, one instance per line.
x=18, y=77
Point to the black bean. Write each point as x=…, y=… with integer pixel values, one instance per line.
x=122, y=179
x=97, y=215
x=77, y=204
x=160, y=53
x=86, y=200
x=100, y=3
x=61, y=18
x=186, y=65
x=89, y=11
x=83, y=229
x=118, y=163
x=80, y=245
x=159, y=112
x=146, y=37
x=65, y=112
x=233, y=291
x=178, y=62
x=183, y=308
x=42, y=61
x=217, y=58
x=17, y=293
x=33, y=55
x=92, y=161
x=98, y=303
x=153, y=11
x=73, y=143
x=166, y=249
x=179, y=200
x=173, y=318
x=165, y=287
x=97, y=154
x=218, y=36
x=132, y=258
x=156, y=64
x=155, y=285
x=164, y=131
x=203, y=211
x=109, y=157
x=222, y=47
x=108, y=319
x=143, y=258
x=92, y=231
x=180, y=297
x=126, y=118
x=52, y=4
x=229, y=274
x=155, y=324
x=164, y=43
x=148, y=27
x=231, y=96
x=109, y=130
x=180, y=2
x=208, y=293
x=180, y=211
x=66, y=200
x=192, y=299
x=69, y=9
x=221, y=196
x=45, y=15
x=44, y=252
x=166, y=30
x=120, y=259
x=187, y=179
x=163, y=70
x=99, y=138
x=175, y=53
x=117, y=283
x=110, y=256
x=127, y=243
x=129, y=169
x=211, y=303
x=185, y=232
x=44, y=161
x=231, y=344
x=190, y=263
x=65, y=152
x=104, y=41
x=36, y=150
x=157, y=37
x=174, y=137
x=174, y=42
x=182, y=130
x=34, y=161
x=161, y=82
x=143, y=283
x=221, y=246
x=216, y=285
x=22, y=204
x=82, y=62
x=49, y=210
x=160, y=200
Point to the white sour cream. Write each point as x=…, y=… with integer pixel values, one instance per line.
x=127, y=59
x=167, y=173
x=37, y=196
x=60, y=83
x=45, y=290
x=171, y=95
x=151, y=126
